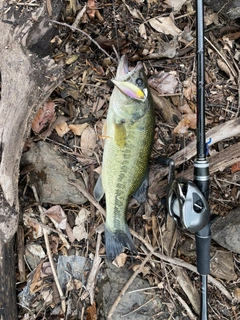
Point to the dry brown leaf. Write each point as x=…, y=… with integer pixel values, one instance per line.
x=236, y=294
x=189, y=121
x=79, y=231
x=189, y=89
x=71, y=59
x=164, y=82
x=77, y=129
x=182, y=127
x=36, y=282
x=98, y=170
x=134, y=12
x=142, y=31
x=175, y=4
x=62, y=128
x=165, y=25
x=185, y=109
x=192, y=119
x=44, y=116
x=88, y=141
x=37, y=229
x=92, y=312
x=57, y=216
x=120, y=260
x=98, y=105
x=223, y=66
x=235, y=167
x=47, y=296
x=91, y=8
x=187, y=286
x=144, y=270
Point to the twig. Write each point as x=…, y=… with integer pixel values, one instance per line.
x=87, y=35
x=219, y=53
x=185, y=305
x=89, y=197
x=143, y=305
x=62, y=297
x=44, y=226
x=93, y=273
x=181, y=263
x=127, y=285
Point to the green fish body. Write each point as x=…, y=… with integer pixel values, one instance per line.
x=129, y=131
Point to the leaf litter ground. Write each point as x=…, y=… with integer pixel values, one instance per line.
x=72, y=121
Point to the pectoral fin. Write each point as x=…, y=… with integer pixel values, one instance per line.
x=98, y=191
x=120, y=134
x=141, y=194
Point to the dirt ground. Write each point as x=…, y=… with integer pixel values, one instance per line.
x=71, y=122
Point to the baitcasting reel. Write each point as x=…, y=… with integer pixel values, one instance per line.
x=185, y=202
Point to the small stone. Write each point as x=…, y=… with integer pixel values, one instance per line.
x=51, y=173
x=225, y=230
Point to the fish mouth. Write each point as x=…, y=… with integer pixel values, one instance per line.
x=123, y=73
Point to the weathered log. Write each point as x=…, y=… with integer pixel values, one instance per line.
x=28, y=77
x=218, y=162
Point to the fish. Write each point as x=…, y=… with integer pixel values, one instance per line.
x=129, y=133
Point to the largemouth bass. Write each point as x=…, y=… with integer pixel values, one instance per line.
x=128, y=133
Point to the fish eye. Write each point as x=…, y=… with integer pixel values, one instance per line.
x=139, y=82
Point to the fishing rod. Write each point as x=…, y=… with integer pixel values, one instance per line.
x=187, y=201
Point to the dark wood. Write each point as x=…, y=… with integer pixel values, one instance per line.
x=8, y=305
x=28, y=77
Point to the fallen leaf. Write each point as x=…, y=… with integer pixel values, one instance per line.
x=69, y=233
x=235, y=167
x=187, y=286
x=79, y=231
x=185, y=109
x=91, y=5
x=142, y=31
x=92, y=312
x=134, y=12
x=71, y=59
x=192, y=119
x=57, y=216
x=120, y=260
x=164, y=82
x=47, y=297
x=182, y=127
x=36, y=282
x=62, y=128
x=77, y=129
x=224, y=67
x=189, y=89
x=98, y=105
x=143, y=270
x=186, y=35
x=98, y=170
x=165, y=25
x=175, y=4
x=37, y=229
x=88, y=141
x=236, y=294
x=44, y=116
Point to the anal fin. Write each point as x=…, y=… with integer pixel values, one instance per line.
x=141, y=194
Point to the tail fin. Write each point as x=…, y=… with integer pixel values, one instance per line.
x=116, y=241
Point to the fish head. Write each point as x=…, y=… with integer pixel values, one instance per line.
x=130, y=98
